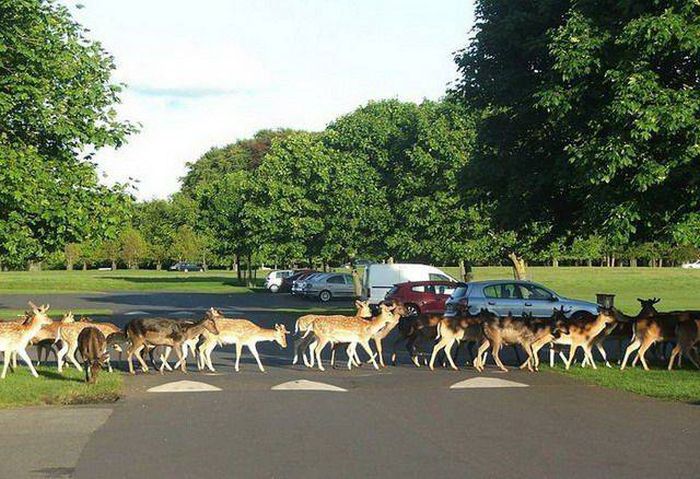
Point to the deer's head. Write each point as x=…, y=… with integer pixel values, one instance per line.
x=281, y=335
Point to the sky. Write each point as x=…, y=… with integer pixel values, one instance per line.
x=207, y=73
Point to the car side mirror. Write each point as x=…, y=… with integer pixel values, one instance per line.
x=553, y=299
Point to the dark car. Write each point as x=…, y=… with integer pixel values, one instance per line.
x=287, y=282
x=513, y=296
x=183, y=266
x=422, y=296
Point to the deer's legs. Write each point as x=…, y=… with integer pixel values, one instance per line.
x=448, y=353
x=60, y=355
x=71, y=356
x=380, y=352
x=572, y=354
x=365, y=346
x=630, y=349
x=254, y=350
x=239, y=348
x=642, y=350
x=320, y=344
x=439, y=346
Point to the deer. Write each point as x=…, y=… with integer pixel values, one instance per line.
x=92, y=345
x=581, y=332
x=145, y=332
x=398, y=312
x=506, y=330
x=652, y=329
x=450, y=331
x=350, y=329
x=241, y=332
x=548, y=331
x=687, y=336
x=307, y=339
x=68, y=333
x=15, y=336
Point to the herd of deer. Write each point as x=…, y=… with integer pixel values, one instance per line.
x=487, y=331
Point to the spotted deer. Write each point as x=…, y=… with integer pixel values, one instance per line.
x=350, y=329
x=15, y=336
x=240, y=332
x=307, y=340
x=45, y=339
x=581, y=332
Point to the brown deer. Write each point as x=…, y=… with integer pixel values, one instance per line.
x=68, y=333
x=687, y=336
x=15, y=336
x=581, y=331
x=145, y=332
x=508, y=330
x=449, y=332
x=350, y=329
x=240, y=332
x=92, y=345
x=650, y=330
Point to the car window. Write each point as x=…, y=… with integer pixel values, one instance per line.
x=418, y=289
x=438, y=277
x=337, y=279
x=460, y=291
x=531, y=292
x=444, y=289
x=502, y=291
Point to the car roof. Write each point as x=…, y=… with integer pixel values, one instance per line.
x=426, y=283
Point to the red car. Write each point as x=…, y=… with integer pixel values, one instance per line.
x=422, y=296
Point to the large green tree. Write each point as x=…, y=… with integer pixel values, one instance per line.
x=56, y=108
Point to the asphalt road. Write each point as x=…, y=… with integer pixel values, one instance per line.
x=400, y=421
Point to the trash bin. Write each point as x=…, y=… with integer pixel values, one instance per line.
x=606, y=301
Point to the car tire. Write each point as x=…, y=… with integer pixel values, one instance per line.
x=325, y=296
x=412, y=310
x=274, y=288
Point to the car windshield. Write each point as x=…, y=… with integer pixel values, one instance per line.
x=460, y=291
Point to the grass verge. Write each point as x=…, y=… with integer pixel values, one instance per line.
x=10, y=314
x=676, y=385
x=21, y=389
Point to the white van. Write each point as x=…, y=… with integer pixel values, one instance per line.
x=380, y=278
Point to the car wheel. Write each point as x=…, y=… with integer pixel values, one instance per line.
x=274, y=288
x=412, y=309
x=325, y=296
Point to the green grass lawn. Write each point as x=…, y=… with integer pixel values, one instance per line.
x=678, y=288
x=21, y=389
x=120, y=280
x=679, y=385
x=9, y=314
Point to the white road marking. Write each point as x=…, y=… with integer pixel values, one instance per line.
x=482, y=382
x=183, y=386
x=304, y=385
x=131, y=313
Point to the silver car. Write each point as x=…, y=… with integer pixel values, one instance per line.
x=517, y=297
x=328, y=286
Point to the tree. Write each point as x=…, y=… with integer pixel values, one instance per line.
x=133, y=247
x=187, y=245
x=155, y=220
x=56, y=100
x=72, y=253
x=109, y=250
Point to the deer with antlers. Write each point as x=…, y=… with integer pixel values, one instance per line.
x=14, y=336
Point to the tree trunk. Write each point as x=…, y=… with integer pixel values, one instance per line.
x=661, y=262
x=462, y=270
x=555, y=263
x=159, y=265
x=250, y=271
x=237, y=261
x=589, y=262
x=114, y=265
x=69, y=266
x=84, y=265
x=633, y=262
x=612, y=261
x=390, y=260
x=519, y=269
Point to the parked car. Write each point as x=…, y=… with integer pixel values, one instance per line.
x=691, y=265
x=327, y=286
x=380, y=278
x=287, y=282
x=183, y=266
x=299, y=283
x=422, y=296
x=511, y=296
x=273, y=281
